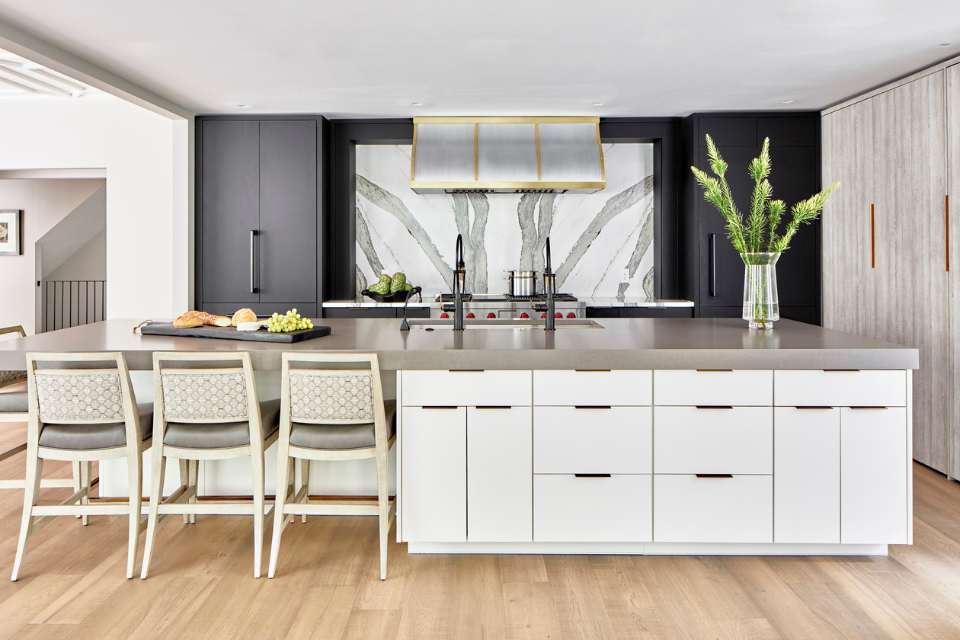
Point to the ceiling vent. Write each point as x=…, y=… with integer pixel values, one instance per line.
x=516, y=154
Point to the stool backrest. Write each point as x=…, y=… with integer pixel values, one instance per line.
x=75, y=388
x=312, y=394
x=9, y=377
x=198, y=394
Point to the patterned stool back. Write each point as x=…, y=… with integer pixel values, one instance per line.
x=331, y=396
x=204, y=395
x=91, y=396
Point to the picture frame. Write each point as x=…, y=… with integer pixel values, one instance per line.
x=11, y=232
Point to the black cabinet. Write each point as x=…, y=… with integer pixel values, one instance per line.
x=258, y=214
x=375, y=312
x=712, y=272
x=639, y=312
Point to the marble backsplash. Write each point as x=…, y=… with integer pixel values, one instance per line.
x=601, y=243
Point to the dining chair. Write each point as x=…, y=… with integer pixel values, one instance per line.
x=206, y=408
x=331, y=409
x=82, y=408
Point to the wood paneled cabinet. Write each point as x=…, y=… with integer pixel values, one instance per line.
x=888, y=258
x=258, y=217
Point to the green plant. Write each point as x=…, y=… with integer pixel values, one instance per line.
x=760, y=232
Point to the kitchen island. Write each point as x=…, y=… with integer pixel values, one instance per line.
x=618, y=436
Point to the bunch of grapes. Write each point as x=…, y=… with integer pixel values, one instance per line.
x=290, y=321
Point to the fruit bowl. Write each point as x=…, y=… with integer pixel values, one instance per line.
x=399, y=296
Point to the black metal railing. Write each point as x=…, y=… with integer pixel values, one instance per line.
x=71, y=303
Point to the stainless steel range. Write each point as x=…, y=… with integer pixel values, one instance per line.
x=499, y=306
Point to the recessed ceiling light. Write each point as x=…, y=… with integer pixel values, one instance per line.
x=416, y=103
x=787, y=101
x=243, y=105
x=944, y=44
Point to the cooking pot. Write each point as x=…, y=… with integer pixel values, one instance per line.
x=522, y=283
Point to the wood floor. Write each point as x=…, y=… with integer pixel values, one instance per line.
x=72, y=586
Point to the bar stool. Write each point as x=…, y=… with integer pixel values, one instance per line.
x=13, y=409
x=82, y=413
x=330, y=415
x=204, y=413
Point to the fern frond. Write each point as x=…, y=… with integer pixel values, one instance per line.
x=803, y=212
x=775, y=209
x=717, y=193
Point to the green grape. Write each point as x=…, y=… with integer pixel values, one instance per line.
x=288, y=322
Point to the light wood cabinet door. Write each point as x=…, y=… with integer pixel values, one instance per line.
x=912, y=292
x=500, y=474
x=874, y=476
x=953, y=184
x=434, y=468
x=806, y=485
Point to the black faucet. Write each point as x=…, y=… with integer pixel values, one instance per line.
x=550, y=288
x=459, y=280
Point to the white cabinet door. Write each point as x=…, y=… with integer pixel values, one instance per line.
x=467, y=388
x=565, y=388
x=806, y=485
x=737, y=440
x=434, y=489
x=499, y=474
x=686, y=387
x=688, y=508
x=592, y=439
x=592, y=508
x=873, y=476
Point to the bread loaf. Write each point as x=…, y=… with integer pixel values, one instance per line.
x=243, y=315
x=219, y=321
x=189, y=320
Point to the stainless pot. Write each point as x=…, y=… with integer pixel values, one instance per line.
x=522, y=283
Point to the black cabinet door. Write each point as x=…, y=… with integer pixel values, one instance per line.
x=229, y=201
x=287, y=251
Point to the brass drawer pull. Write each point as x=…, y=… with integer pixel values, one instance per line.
x=840, y=370
x=494, y=406
x=592, y=370
x=591, y=475
x=592, y=406
x=714, y=406
x=814, y=408
x=438, y=406
x=465, y=370
x=714, y=475
x=868, y=407
x=714, y=370
x=946, y=233
x=873, y=238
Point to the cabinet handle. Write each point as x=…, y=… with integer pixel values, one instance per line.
x=814, y=408
x=592, y=406
x=714, y=370
x=438, y=406
x=946, y=232
x=253, y=242
x=465, y=370
x=873, y=238
x=591, y=475
x=714, y=475
x=713, y=264
x=592, y=370
x=840, y=370
x=714, y=406
x=867, y=408
x=494, y=406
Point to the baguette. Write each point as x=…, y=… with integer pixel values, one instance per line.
x=188, y=320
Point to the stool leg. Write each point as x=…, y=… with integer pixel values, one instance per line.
x=185, y=481
x=305, y=480
x=77, y=484
x=383, y=516
x=257, y=459
x=85, y=483
x=134, y=491
x=157, y=468
x=283, y=480
x=31, y=488
x=194, y=475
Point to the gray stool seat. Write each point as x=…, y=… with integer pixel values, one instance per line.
x=83, y=437
x=13, y=402
x=221, y=435
x=336, y=437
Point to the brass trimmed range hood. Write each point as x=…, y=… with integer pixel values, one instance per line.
x=507, y=154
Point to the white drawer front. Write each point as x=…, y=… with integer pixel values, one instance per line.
x=591, y=440
x=713, y=440
x=692, y=509
x=567, y=508
x=466, y=388
x=566, y=388
x=840, y=388
x=692, y=387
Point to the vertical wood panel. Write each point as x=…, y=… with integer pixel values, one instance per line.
x=953, y=188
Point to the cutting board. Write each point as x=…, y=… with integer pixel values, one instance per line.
x=231, y=333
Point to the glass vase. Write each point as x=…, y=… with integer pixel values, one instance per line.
x=760, y=305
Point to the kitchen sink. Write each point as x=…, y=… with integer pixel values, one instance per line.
x=447, y=325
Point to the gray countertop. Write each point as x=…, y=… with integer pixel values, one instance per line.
x=641, y=343
x=635, y=302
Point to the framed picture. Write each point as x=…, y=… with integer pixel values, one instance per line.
x=11, y=232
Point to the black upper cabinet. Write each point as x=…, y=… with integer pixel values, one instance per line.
x=712, y=272
x=258, y=217
x=229, y=208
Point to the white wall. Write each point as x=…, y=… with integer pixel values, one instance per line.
x=44, y=204
x=147, y=161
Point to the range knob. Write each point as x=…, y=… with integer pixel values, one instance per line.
x=571, y=315
x=491, y=315
x=558, y=315
x=543, y=316
x=444, y=315
x=471, y=316
x=524, y=315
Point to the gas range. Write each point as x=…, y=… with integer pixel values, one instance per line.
x=499, y=306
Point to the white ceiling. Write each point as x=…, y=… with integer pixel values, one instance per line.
x=379, y=57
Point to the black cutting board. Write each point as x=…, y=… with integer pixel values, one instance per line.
x=231, y=333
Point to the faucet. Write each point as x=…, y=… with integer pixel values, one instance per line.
x=459, y=280
x=550, y=288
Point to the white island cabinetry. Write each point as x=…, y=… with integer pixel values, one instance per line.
x=707, y=461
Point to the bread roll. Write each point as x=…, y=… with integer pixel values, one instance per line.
x=243, y=315
x=219, y=321
x=188, y=320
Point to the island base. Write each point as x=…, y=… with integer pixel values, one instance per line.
x=647, y=549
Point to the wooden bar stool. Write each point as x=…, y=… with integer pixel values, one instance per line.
x=204, y=413
x=331, y=414
x=13, y=409
x=82, y=412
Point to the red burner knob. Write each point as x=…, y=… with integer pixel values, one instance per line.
x=558, y=315
x=491, y=315
x=471, y=316
x=543, y=316
x=571, y=315
x=444, y=315
x=524, y=315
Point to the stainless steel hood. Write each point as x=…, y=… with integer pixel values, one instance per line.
x=514, y=154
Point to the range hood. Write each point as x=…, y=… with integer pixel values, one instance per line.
x=516, y=154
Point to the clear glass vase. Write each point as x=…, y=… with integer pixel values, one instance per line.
x=760, y=305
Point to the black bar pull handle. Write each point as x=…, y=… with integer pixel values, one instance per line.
x=592, y=406
x=592, y=475
x=714, y=475
x=713, y=264
x=253, y=278
x=714, y=406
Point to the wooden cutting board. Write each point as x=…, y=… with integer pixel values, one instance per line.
x=231, y=333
